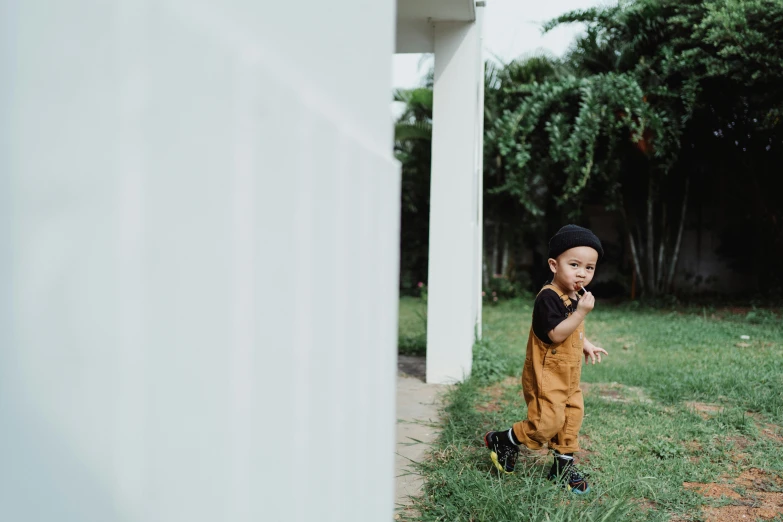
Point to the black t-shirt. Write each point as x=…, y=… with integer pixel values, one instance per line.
x=549, y=311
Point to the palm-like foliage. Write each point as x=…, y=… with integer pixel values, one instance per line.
x=415, y=122
x=412, y=145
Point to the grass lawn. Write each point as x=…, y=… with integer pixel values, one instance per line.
x=412, y=339
x=683, y=421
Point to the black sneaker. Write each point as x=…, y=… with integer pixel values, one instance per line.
x=502, y=452
x=565, y=471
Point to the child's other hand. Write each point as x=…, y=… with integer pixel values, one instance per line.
x=586, y=303
x=593, y=352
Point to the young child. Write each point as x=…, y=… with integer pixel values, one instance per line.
x=555, y=345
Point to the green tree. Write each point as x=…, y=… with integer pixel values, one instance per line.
x=734, y=51
x=412, y=148
x=649, y=82
x=513, y=222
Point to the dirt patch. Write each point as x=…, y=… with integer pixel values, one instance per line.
x=739, y=513
x=412, y=366
x=736, y=446
x=586, y=449
x=494, y=393
x=737, y=442
x=586, y=443
x=704, y=409
x=759, y=480
x=646, y=505
x=615, y=392
x=712, y=490
x=770, y=431
x=492, y=407
x=755, y=495
x=740, y=458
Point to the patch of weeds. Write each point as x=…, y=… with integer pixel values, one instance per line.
x=665, y=449
x=761, y=316
x=412, y=344
x=736, y=419
x=489, y=365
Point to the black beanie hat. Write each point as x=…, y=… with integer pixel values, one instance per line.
x=571, y=236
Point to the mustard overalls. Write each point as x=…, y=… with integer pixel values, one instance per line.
x=550, y=382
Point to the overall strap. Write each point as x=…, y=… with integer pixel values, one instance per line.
x=563, y=297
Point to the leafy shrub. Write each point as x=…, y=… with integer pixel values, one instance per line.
x=501, y=288
x=489, y=365
x=412, y=344
x=762, y=316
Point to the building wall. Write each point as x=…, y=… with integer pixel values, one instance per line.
x=700, y=267
x=198, y=261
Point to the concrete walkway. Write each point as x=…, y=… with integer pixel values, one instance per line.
x=417, y=418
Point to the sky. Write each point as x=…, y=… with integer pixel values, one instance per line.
x=511, y=28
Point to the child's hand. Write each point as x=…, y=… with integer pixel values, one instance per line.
x=586, y=303
x=592, y=352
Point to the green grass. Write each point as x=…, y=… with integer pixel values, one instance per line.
x=642, y=438
x=412, y=339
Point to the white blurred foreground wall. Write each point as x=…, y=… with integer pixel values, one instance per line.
x=198, y=261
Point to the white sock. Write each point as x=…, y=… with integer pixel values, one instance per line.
x=511, y=436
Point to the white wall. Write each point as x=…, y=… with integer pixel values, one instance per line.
x=198, y=261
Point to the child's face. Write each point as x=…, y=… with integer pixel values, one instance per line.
x=574, y=268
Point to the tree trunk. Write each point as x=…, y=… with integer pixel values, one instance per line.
x=636, y=264
x=504, y=267
x=650, y=253
x=632, y=242
x=486, y=261
x=661, y=251
x=676, y=254
x=495, y=250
